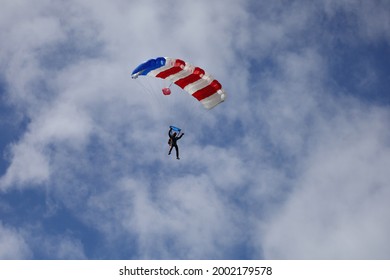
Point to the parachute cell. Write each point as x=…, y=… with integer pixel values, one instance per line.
x=192, y=79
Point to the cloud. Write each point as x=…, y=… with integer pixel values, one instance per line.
x=287, y=167
x=360, y=20
x=30, y=166
x=12, y=244
x=186, y=216
x=65, y=247
x=337, y=209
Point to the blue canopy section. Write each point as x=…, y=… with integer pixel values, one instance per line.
x=174, y=128
x=150, y=65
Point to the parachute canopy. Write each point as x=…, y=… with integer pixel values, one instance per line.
x=192, y=79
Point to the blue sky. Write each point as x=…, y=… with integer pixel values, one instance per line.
x=294, y=165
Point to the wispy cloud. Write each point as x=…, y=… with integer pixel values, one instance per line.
x=292, y=165
x=12, y=244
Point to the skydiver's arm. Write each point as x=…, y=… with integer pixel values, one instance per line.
x=170, y=132
x=180, y=136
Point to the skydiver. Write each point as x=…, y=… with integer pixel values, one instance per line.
x=173, y=142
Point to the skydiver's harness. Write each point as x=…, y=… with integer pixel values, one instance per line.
x=176, y=129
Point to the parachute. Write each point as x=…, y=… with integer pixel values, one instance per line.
x=192, y=79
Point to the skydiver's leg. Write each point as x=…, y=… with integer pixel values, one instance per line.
x=170, y=150
x=177, y=151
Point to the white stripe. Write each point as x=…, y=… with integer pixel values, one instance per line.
x=194, y=87
x=212, y=101
x=178, y=76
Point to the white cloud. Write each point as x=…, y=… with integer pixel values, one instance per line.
x=359, y=20
x=12, y=244
x=185, y=218
x=339, y=204
x=61, y=247
x=255, y=170
x=30, y=166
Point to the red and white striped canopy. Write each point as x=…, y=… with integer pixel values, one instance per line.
x=192, y=79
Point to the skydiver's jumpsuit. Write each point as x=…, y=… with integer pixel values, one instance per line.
x=173, y=143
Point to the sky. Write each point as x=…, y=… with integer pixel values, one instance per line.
x=293, y=165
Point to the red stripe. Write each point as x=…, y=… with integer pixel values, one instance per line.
x=195, y=76
x=198, y=71
x=207, y=91
x=178, y=66
x=179, y=63
x=187, y=80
